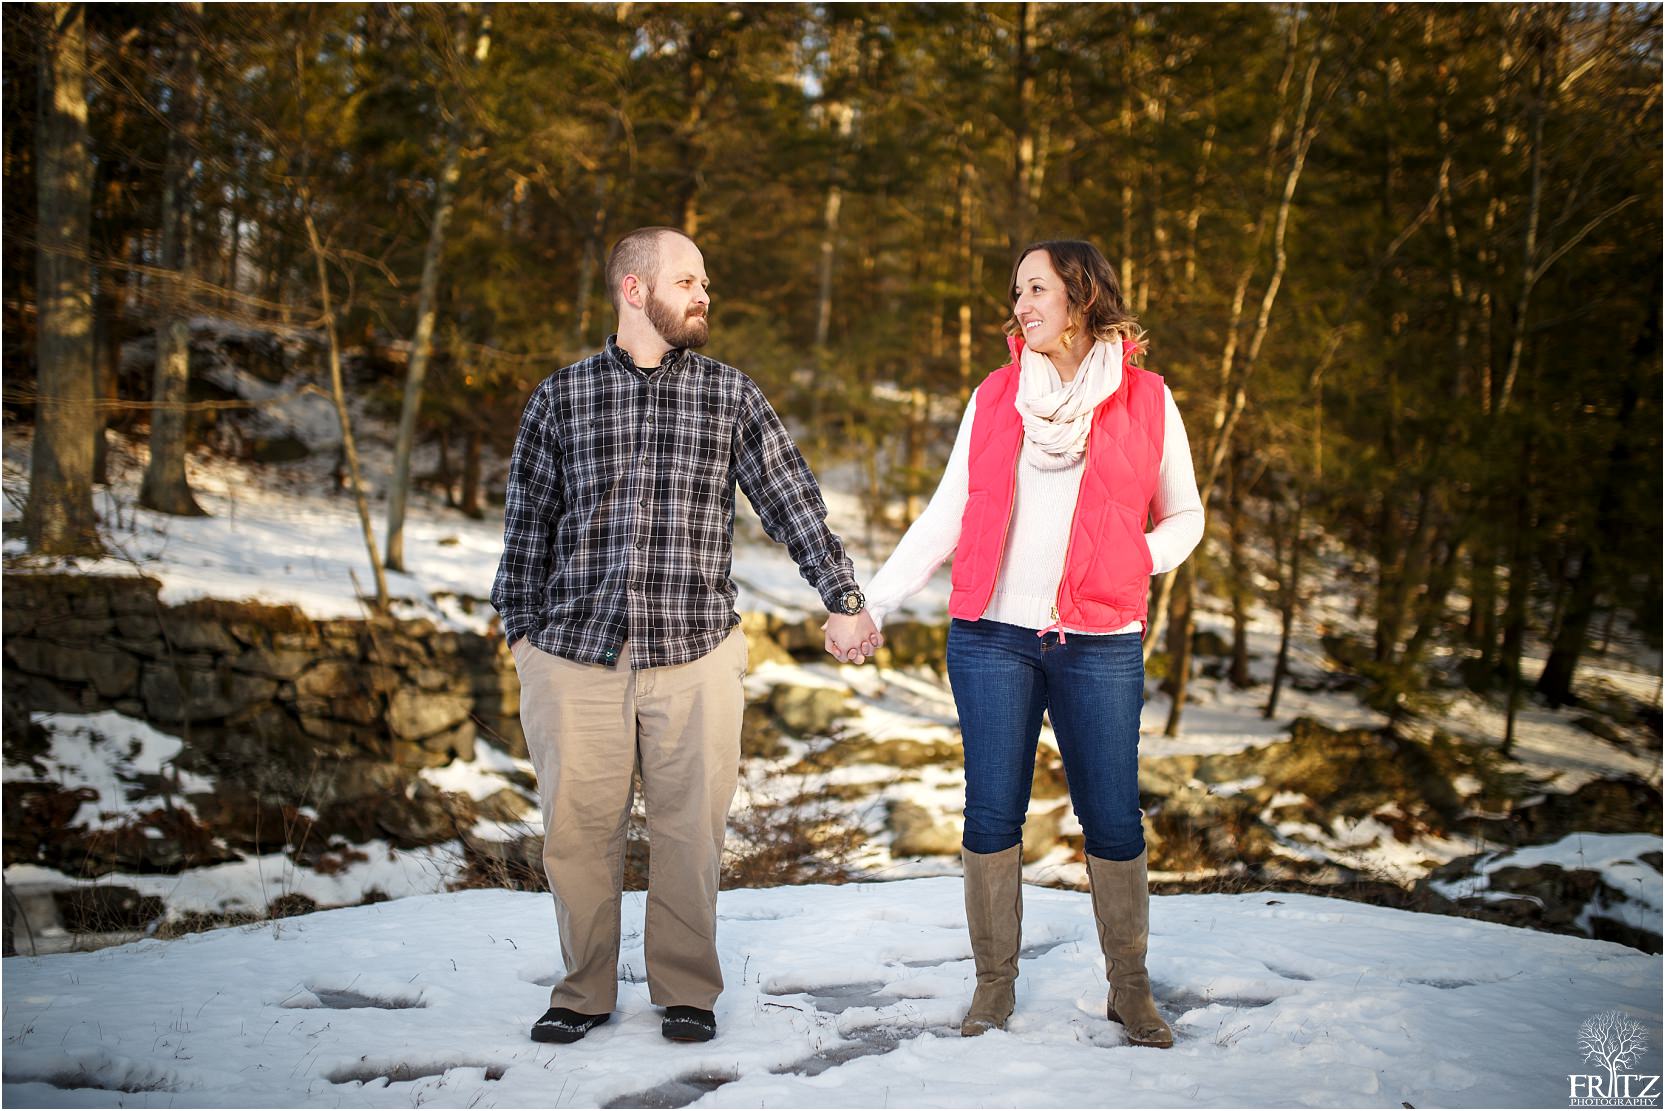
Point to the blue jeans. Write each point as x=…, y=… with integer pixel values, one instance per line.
x=1093, y=687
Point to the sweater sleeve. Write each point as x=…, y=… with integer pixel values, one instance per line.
x=932, y=538
x=1177, y=509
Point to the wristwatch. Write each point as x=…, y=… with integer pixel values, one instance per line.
x=851, y=602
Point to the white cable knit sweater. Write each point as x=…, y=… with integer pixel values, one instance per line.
x=1043, y=508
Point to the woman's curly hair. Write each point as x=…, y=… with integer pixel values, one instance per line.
x=1097, y=307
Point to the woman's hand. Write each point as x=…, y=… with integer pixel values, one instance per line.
x=852, y=639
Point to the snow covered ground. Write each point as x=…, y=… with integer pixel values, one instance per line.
x=837, y=997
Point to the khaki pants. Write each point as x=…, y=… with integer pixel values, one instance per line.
x=588, y=728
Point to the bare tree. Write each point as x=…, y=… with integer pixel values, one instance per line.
x=1233, y=396
x=427, y=309
x=307, y=204
x=166, y=488
x=1024, y=171
x=59, y=518
x=349, y=448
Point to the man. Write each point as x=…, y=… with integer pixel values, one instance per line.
x=616, y=603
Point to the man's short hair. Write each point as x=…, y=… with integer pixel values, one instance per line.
x=636, y=253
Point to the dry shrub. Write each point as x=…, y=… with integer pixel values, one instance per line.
x=797, y=841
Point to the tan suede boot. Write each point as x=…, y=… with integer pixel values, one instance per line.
x=994, y=914
x=1121, y=904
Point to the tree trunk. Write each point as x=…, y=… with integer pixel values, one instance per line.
x=1607, y=628
x=829, y=251
x=1482, y=616
x=470, y=504
x=447, y=478
x=1232, y=401
x=1156, y=624
x=1399, y=578
x=967, y=200
x=1226, y=416
x=595, y=238
x=1555, y=684
x=1291, y=603
x=106, y=365
x=166, y=488
x=1238, y=570
x=1023, y=154
x=234, y=249
x=1514, y=641
x=427, y=309
x=919, y=424
x=1180, y=663
x=1520, y=590
x=1125, y=170
x=1178, y=627
x=1194, y=217
x=349, y=449
x=1545, y=49
x=693, y=145
x=59, y=517
x=1431, y=611
x=421, y=350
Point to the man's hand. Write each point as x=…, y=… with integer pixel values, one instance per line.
x=852, y=639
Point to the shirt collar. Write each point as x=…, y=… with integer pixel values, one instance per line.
x=677, y=358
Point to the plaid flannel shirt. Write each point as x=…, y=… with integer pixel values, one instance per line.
x=619, y=512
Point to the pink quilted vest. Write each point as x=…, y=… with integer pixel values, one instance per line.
x=1107, y=566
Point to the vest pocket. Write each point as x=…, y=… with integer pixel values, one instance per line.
x=1120, y=574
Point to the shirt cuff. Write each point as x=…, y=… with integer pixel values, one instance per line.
x=516, y=627
x=834, y=585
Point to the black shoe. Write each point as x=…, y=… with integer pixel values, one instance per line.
x=688, y=1024
x=559, y=1024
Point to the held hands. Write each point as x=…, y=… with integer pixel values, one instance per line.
x=852, y=639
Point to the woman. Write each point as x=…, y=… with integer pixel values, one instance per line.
x=1059, y=459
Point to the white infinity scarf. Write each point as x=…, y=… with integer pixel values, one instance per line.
x=1057, y=415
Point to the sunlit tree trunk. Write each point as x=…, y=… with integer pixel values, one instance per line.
x=338, y=389
x=1290, y=603
x=59, y=517
x=427, y=310
x=166, y=487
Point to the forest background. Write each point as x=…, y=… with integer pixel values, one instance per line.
x=1400, y=263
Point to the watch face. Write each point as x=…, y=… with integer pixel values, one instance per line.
x=853, y=602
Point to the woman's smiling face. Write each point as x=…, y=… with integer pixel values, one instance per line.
x=1041, y=304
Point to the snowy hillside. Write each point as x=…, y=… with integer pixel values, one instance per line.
x=837, y=997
